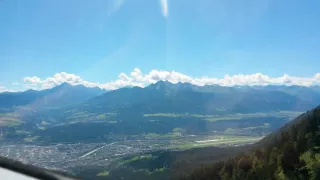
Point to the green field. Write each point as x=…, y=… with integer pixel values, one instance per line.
x=237, y=116
x=31, y=139
x=22, y=132
x=218, y=140
x=104, y=173
x=10, y=119
x=135, y=158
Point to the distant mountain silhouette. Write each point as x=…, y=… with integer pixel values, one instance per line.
x=59, y=96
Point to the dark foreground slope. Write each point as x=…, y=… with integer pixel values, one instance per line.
x=291, y=153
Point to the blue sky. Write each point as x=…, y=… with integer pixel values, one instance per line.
x=93, y=42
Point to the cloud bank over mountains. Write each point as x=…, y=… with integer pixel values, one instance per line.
x=138, y=78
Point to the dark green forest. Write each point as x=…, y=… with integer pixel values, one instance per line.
x=291, y=153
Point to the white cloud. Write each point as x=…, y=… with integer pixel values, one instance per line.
x=138, y=78
x=164, y=7
x=33, y=80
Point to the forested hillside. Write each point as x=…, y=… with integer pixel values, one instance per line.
x=291, y=153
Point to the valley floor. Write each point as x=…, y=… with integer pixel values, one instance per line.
x=66, y=157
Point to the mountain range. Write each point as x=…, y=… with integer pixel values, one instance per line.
x=157, y=108
x=186, y=98
x=166, y=97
